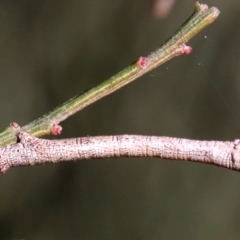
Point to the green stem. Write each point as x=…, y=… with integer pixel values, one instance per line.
x=174, y=46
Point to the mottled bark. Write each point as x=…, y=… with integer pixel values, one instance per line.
x=31, y=151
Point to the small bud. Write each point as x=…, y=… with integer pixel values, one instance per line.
x=187, y=49
x=142, y=62
x=56, y=129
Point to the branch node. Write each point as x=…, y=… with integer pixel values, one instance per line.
x=26, y=138
x=236, y=144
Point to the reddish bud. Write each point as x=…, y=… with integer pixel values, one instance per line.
x=187, y=49
x=142, y=62
x=3, y=169
x=56, y=129
x=14, y=125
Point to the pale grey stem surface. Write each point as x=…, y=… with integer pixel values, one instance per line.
x=31, y=151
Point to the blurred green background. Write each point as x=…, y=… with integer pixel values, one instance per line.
x=51, y=51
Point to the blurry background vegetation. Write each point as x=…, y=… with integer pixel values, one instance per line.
x=51, y=51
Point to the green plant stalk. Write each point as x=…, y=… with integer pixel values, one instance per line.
x=174, y=46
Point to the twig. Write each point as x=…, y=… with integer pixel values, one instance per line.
x=175, y=46
x=32, y=151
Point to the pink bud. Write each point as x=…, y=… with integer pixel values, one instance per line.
x=56, y=129
x=142, y=62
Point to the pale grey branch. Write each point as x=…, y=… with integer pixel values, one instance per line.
x=31, y=151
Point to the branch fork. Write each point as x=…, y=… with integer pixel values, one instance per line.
x=27, y=149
